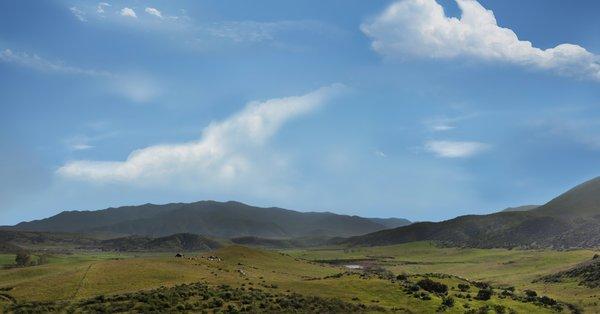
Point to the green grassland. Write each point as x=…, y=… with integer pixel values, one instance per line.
x=501, y=267
x=81, y=277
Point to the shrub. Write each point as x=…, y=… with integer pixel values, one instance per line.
x=499, y=309
x=432, y=286
x=530, y=294
x=547, y=301
x=484, y=294
x=481, y=285
x=463, y=287
x=449, y=302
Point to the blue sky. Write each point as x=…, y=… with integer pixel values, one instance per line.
x=417, y=109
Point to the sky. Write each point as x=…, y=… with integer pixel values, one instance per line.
x=414, y=108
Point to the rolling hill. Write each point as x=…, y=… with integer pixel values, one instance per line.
x=210, y=218
x=570, y=220
x=174, y=242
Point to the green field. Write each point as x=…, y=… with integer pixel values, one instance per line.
x=312, y=272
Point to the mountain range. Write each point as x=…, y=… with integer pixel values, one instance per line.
x=570, y=220
x=567, y=221
x=210, y=218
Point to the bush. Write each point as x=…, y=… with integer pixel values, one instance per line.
x=482, y=285
x=449, y=302
x=484, y=294
x=463, y=287
x=530, y=294
x=432, y=286
x=547, y=301
x=499, y=309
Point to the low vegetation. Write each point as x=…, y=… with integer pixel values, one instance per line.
x=587, y=273
x=417, y=277
x=197, y=297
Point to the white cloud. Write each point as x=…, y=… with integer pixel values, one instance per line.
x=134, y=86
x=155, y=12
x=443, y=123
x=420, y=28
x=129, y=12
x=80, y=15
x=442, y=127
x=85, y=142
x=100, y=7
x=380, y=154
x=38, y=63
x=455, y=149
x=202, y=35
x=81, y=146
x=225, y=154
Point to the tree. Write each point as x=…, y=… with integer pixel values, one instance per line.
x=22, y=259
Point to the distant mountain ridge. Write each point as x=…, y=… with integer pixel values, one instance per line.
x=210, y=218
x=569, y=220
x=522, y=208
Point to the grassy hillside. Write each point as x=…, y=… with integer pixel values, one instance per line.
x=499, y=267
x=79, y=277
x=216, y=219
x=586, y=273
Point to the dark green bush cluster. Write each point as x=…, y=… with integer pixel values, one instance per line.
x=432, y=286
x=484, y=294
x=463, y=287
x=198, y=297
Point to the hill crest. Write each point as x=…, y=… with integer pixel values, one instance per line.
x=215, y=219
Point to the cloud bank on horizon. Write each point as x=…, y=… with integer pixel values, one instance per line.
x=420, y=28
x=223, y=154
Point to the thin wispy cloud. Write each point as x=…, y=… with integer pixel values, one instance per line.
x=444, y=123
x=155, y=12
x=420, y=28
x=222, y=156
x=100, y=8
x=455, y=149
x=570, y=125
x=36, y=62
x=136, y=87
x=380, y=153
x=201, y=34
x=78, y=144
x=81, y=142
x=80, y=15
